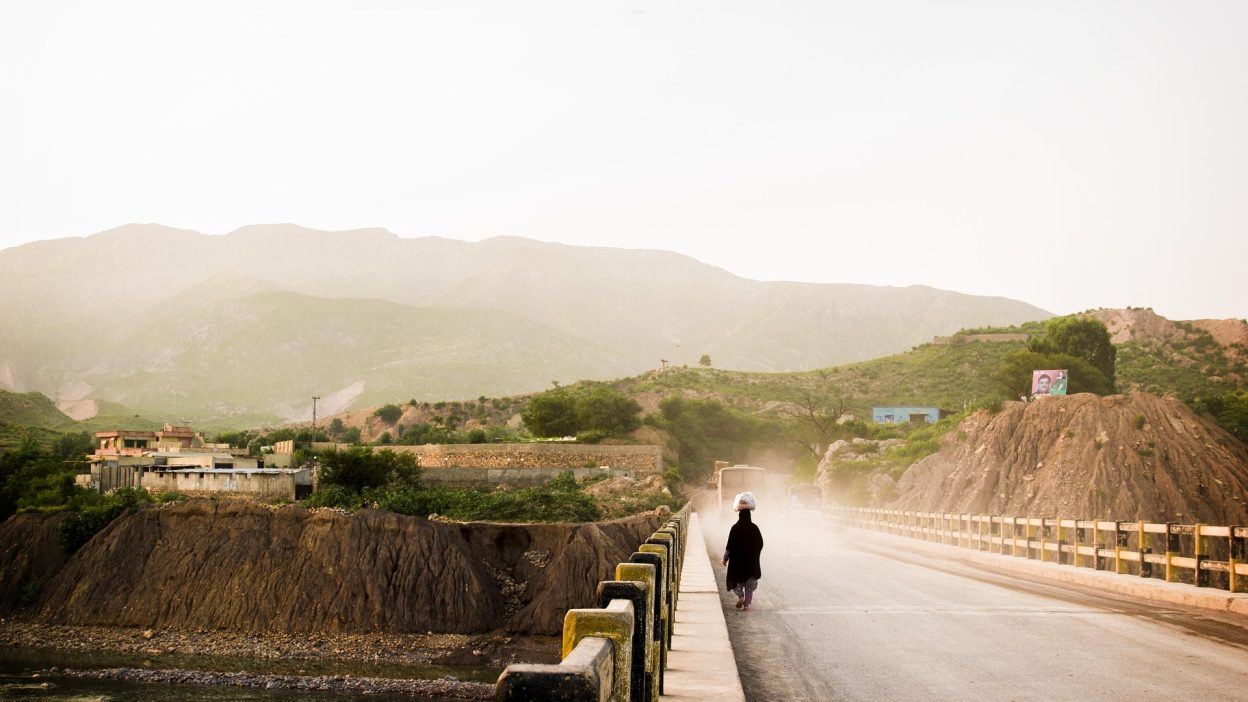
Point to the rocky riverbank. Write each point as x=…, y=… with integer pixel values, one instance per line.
x=479, y=650
x=448, y=688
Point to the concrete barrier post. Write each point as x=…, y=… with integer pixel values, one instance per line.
x=636, y=593
x=668, y=539
x=614, y=623
x=646, y=575
x=660, y=598
x=584, y=676
x=669, y=581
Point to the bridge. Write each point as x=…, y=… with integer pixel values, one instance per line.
x=869, y=605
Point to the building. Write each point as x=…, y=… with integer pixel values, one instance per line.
x=176, y=459
x=908, y=415
x=123, y=442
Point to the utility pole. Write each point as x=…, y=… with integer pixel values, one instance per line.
x=314, y=399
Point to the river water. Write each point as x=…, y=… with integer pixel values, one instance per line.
x=17, y=666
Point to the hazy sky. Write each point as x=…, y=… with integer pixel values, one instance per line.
x=1072, y=155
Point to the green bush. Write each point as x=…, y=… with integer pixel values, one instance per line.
x=1229, y=410
x=90, y=513
x=597, y=408
x=591, y=436
x=560, y=500
x=333, y=496
x=359, y=468
x=389, y=413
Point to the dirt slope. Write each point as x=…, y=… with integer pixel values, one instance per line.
x=238, y=566
x=1121, y=457
x=31, y=553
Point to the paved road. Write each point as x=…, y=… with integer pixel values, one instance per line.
x=838, y=620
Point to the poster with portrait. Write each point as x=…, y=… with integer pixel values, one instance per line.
x=1049, y=382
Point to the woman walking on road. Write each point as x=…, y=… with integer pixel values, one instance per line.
x=745, y=544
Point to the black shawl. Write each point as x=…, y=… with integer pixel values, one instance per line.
x=745, y=543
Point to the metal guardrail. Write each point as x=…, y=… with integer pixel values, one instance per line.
x=618, y=651
x=1202, y=555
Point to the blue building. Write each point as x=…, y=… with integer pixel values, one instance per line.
x=910, y=415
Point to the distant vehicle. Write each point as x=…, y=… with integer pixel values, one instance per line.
x=734, y=479
x=805, y=496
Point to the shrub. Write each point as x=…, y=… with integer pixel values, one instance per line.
x=333, y=496
x=91, y=513
x=389, y=413
x=560, y=412
x=359, y=468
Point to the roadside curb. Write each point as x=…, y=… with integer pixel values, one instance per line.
x=1131, y=586
x=701, y=664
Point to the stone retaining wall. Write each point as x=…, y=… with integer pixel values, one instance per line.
x=641, y=461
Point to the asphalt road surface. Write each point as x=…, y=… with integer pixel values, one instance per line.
x=835, y=618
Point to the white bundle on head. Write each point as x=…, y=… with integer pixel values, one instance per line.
x=744, y=500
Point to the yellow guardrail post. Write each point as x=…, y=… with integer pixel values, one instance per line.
x=1199, y=578
x=1120, y=566
x=1145, y=543
x=615, y=623
x=1172, y=550
x=668, y=614
x=647, y=575
x=1096, y=545
x=1236, y=557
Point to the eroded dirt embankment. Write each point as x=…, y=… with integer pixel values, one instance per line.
x=238, y=566
x=1126, y=457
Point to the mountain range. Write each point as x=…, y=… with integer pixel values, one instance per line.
x=250, y=325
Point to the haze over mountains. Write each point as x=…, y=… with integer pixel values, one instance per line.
x=250, y=325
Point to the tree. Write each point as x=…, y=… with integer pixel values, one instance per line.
x=336, y=426
x=359, y=468
x=1013, y=376
x=389, y=413
x=599, y=409
x=351, y=435
x=605, y=410
x=1082, y=337
x=705, y=431
x=1230, y=409
x=705, y=361
x=552, y=413
x=817, y=408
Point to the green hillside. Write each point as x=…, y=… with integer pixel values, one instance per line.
x=1190, y=366
x=948, y=376
x=30, y=409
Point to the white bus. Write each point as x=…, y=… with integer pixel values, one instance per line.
x=734, y=479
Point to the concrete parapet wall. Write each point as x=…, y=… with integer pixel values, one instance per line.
x=207, y=483
x=643, y=460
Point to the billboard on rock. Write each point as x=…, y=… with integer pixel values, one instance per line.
x=1049, y=382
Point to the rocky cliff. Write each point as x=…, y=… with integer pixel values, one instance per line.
x=1124, y=457
x=239, y=566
